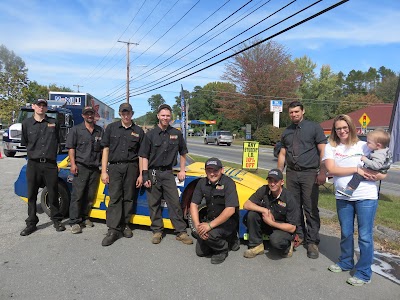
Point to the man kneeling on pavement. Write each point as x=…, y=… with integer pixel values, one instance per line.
x=218, y=234
x=273, y=211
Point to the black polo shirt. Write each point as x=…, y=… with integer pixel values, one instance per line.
x=310, y=135
x=41, y=138
x=218, y=196
x=161, y=148
x=124, y=143
x=285, y=208
x=87, y=145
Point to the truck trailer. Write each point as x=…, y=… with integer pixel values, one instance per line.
x=66, y=108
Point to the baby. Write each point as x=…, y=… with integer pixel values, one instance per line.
x=379, y=159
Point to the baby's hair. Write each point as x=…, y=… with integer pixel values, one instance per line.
x=380, y=136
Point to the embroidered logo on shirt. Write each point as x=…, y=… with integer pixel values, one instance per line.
x=173, y=137
x=135, y=134
x=51, y=125
x=280, y=203
x=219, y=187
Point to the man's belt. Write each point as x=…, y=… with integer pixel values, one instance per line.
x=43, y=160
x=161, y=168
x=298, y=168
x=123, y=162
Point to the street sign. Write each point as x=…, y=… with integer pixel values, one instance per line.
x=364, y=120
x=276, y=106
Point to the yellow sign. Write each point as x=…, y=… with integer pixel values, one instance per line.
x=364, y=120
x=250, y=155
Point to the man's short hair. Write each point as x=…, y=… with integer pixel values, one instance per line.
x=164, y=106
x=296, y=103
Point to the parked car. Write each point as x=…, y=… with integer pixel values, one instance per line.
x=219, y=137
x=246, y=184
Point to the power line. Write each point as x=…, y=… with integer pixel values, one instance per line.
x=158, y=80
x=257, y=43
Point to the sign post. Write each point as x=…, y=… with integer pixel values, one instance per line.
x=250, y=155
x=276, y=106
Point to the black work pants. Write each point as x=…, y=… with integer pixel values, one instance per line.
x=306, y=191
x=164, y=187
x=278, y=239
x=37, y=175
x=123, y=194
x=219, y=237
x=84, y=188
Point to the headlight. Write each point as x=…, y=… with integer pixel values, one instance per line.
x=5, y=134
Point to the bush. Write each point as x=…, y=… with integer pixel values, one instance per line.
x=268, y=134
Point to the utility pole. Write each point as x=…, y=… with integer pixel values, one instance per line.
x=77, y=85
x=127, y=66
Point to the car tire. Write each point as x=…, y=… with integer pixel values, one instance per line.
x=205, y=141
x=202, y=218
x=63, y=198
x=9, y=153
x=216, y=141
x=228, y=144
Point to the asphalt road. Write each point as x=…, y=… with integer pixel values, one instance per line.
x=59, y=265
x=233, y=153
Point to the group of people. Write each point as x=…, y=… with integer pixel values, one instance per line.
x=129, y=159
x=288, y=215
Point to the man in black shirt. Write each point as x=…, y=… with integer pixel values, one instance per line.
x=272, y=210
x=121, y=142
x=222, y=202
x=84, y=150
x=40, y=135
x=303, y=146
x=159, y=151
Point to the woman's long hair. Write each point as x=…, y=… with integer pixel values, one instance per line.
x=334, y=138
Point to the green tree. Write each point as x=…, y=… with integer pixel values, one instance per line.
x=154, y=101
x=386, y=90
x=305, y=69
x=354, y=102
x=176, y=108
x=13, y=82
x=262, y=73
x=35, y=91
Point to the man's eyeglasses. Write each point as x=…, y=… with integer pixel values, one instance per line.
x=344, y=128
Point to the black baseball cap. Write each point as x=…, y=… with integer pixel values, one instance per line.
x=38, y=101
x=87, y=109
x=164, y=106
x=275, y=174
x=213, y=163
x=125, y=107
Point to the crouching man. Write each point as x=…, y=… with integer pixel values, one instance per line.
x=273, y=211
x=218, y=234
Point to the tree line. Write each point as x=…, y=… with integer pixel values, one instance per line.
x=249, y=82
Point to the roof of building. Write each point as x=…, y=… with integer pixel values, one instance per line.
x=379, y=115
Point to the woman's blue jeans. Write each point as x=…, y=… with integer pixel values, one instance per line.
x=365, y=211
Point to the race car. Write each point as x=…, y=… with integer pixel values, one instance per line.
x=246, y=184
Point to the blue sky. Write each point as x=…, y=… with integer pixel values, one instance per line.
x=71, y=42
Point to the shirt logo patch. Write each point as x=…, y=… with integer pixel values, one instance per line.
x=173, y=137
x=135, y=134
x=280, y=203
x=219, y=187
x=51, y=125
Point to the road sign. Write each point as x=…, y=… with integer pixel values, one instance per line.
x=364, y=120
x=250, y=155
x=276, y=105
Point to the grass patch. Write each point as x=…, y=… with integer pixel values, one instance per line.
x=388, y=207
